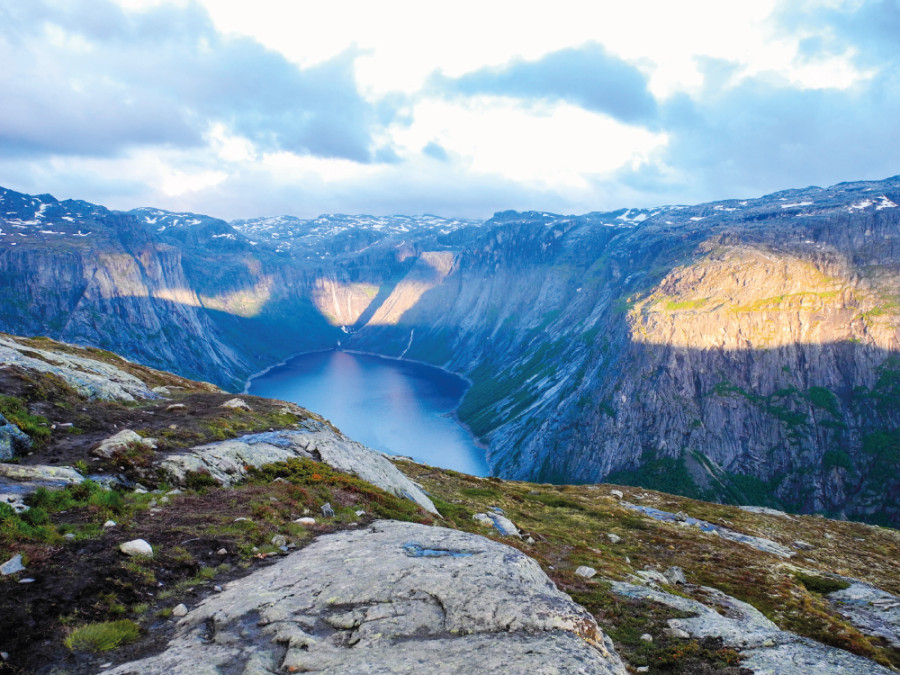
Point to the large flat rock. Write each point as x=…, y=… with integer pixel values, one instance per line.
x=227, y=461
x=393, y=598
x=89, y=377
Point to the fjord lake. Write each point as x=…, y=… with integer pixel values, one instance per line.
x=398, y=407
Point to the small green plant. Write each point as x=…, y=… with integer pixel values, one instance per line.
x=103, y=636
x=823, y=585
x=36, y=426
x=199, y=481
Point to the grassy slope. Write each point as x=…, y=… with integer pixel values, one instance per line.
x=83, y=580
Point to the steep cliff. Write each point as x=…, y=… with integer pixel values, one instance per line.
x=740, y=351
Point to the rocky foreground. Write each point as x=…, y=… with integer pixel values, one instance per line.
x=392, y=598
x=150, y=524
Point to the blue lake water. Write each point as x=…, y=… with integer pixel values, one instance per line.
x=399, y=407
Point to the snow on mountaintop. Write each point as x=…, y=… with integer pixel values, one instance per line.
x=286, y=233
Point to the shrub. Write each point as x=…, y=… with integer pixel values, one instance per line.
x=823, y=585
x=103, y=636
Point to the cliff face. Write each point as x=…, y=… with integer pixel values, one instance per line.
x=743, y=350
x=747, y=354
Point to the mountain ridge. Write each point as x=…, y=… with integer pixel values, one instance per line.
x=577, y=331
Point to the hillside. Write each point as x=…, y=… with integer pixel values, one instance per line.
x=742, y=351
x=231, y=495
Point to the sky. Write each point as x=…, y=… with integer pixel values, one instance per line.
x=247, y=109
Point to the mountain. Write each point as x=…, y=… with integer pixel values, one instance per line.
x=743, y=351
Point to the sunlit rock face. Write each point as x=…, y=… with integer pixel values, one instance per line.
x=744, y=350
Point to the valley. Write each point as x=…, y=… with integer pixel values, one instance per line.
x=742, y=351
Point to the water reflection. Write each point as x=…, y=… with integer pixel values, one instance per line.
x=394, y=406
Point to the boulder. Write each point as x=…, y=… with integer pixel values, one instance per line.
x=12, y=566
x=179, y=610
x=13, y=441
x=226, y=461
x=585, y=571
x=120, y=442
x=613, y=538
x=236, y=404
x=501, y=523
x=390, y=598
x=675, y=575
x=30, y=477
x=137, y=547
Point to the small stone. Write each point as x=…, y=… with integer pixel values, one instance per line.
x=644, y=669
x=646, y=637
x=279, y=480
x=69, y=536
x=109, y=523
x=327, y=511
x=613, y=538
x=12, y=565
x=803, y=545
x=217, y=589
x=106, y=665
x=137, y=547
x=179, y=610
x=235, y=403
x=360, y=512
x=26, y=581
x=173, y=426
x=222, y=551
x=176, y=406
x=618, y=494
x=681, y=517
x=530, y=540
x=678, y=633
x=675, y=575
x=279, y=540
x=164, y=500
x=585, y=571
x=176, y=491
x=306, y=520
x=255, y=549
x=152, y=503
x=241, y=518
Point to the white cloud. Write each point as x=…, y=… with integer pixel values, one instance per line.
x=553, y=145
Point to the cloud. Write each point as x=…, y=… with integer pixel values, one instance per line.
x=587, y=76
x=93, y=79
x=869, y=29
x=763, y=135
x=435, y=151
